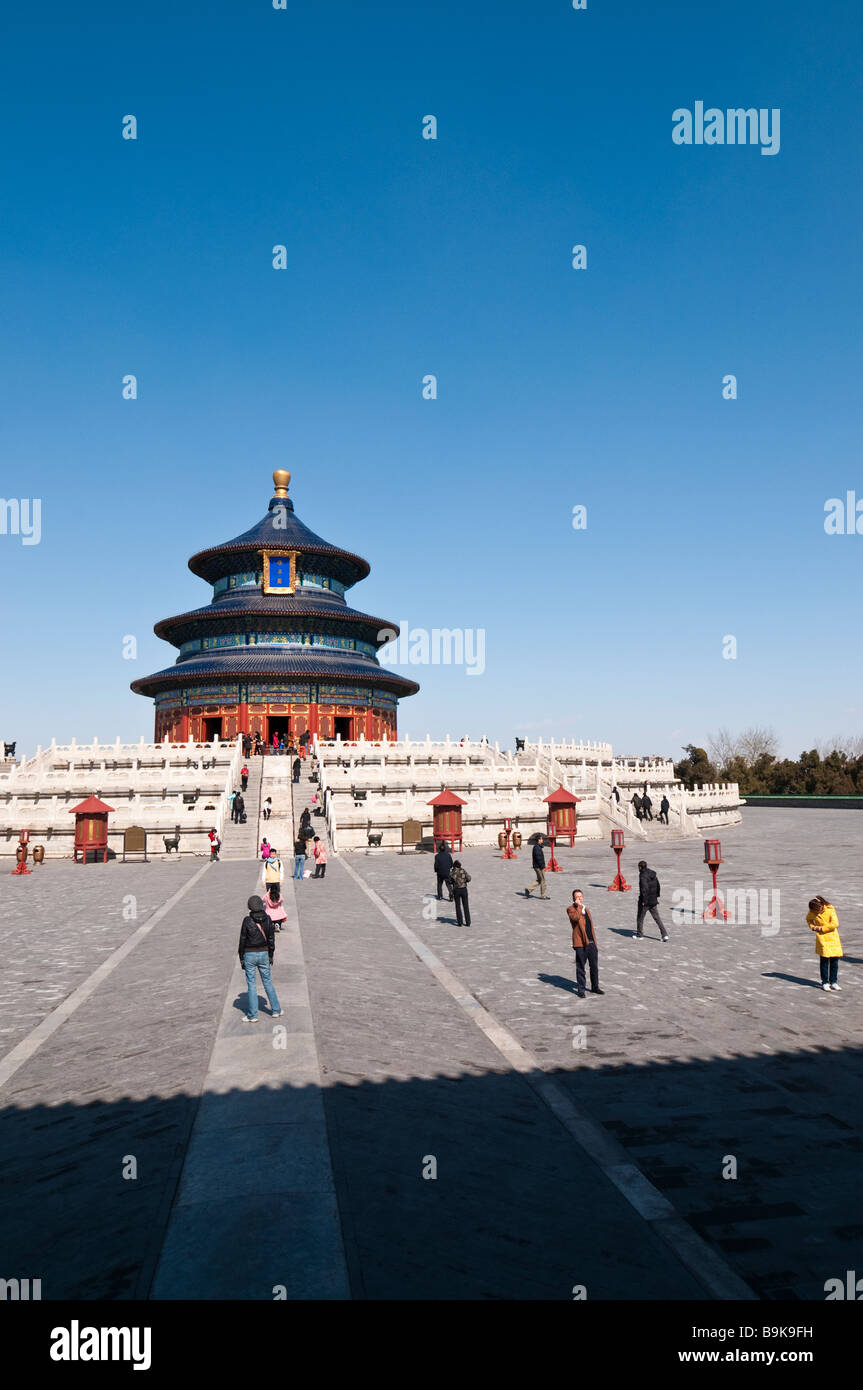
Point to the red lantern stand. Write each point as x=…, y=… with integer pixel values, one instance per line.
x=509, y=852
x=713, y=858
x=562, y=815
x=620, y=884
x=551, y=834
x=91, y=828
x=21, y=853
x=446, y=808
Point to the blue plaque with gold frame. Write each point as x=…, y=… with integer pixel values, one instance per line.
x=280, y=571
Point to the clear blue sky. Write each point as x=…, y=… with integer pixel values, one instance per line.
x=405, y=256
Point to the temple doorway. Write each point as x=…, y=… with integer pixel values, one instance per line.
x=278, y=725
x=343, y=726
x=211, y=728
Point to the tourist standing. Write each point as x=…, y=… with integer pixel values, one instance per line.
x=299, y=856
x=664, y=808
x=320, y=853
x=584, y=944
x=823, y=919
x=215, y=845
x=646, y=807
x=460, y=880
x=538, y=862
x=239, y=808
x=443, y=869
x=231, y=799
x=244, y=777
x=275, y=743
x=296, y=769
x=636, y=802
x=274, y=906
x=273, y=870
x=268, y=808
x=648, y=898
x=256, y=949
x=615, y=794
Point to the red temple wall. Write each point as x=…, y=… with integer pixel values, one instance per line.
x=180, y=724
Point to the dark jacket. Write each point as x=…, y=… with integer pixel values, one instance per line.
x=299, y=846
x=582, y=927
x=253, y=939
x=538, y=859
x=239, y=803
x=296, y=766
x=443, y=863
x=460, y=878
x=648, y=887
x=646, y=802
x=665, y=804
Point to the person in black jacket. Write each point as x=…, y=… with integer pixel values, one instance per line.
x=538, y=861
x=296, y=769
x=636, y=802
x=664, y=808
x=256, y=948
x=646, y=807
x=239, y=807
x=443, y=869
x=460, y=881
x=648, y=897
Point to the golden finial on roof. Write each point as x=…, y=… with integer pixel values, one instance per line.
x=282, y=480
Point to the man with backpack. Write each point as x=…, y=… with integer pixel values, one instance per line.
x=648, y=897
x=240, y=808
x=256, y=949
x=460, y=878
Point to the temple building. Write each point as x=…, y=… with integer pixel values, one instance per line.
x=277, y=651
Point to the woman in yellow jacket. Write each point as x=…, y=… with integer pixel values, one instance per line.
x=824, y=922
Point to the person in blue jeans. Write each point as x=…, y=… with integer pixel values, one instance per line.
x=256, y=949
x=299, y=857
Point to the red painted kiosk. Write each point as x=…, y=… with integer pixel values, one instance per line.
x=562, y=815
x=446, y=808
x=91, y=828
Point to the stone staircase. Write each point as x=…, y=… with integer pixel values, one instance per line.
x=241, y=841
x=303, y=791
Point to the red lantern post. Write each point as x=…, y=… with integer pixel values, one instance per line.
x=713, y=858
x=620, y=884
x=21, y=853
x=552, y=832
x=508, y=851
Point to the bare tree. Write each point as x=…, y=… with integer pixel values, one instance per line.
x=722, y=747
x=849, y=744
x=756, y=741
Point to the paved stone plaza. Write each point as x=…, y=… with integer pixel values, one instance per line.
x=563, y=1158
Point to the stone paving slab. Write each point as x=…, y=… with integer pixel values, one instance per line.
x=717, y=1044
x=120, y=1078
x=517, y=1210
x=81, y=914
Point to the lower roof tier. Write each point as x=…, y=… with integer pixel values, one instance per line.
x=243, y=664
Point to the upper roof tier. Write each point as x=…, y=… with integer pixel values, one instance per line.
x=279, y=529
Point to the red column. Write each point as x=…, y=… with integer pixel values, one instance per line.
x=183, y=731
x=243, y=719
